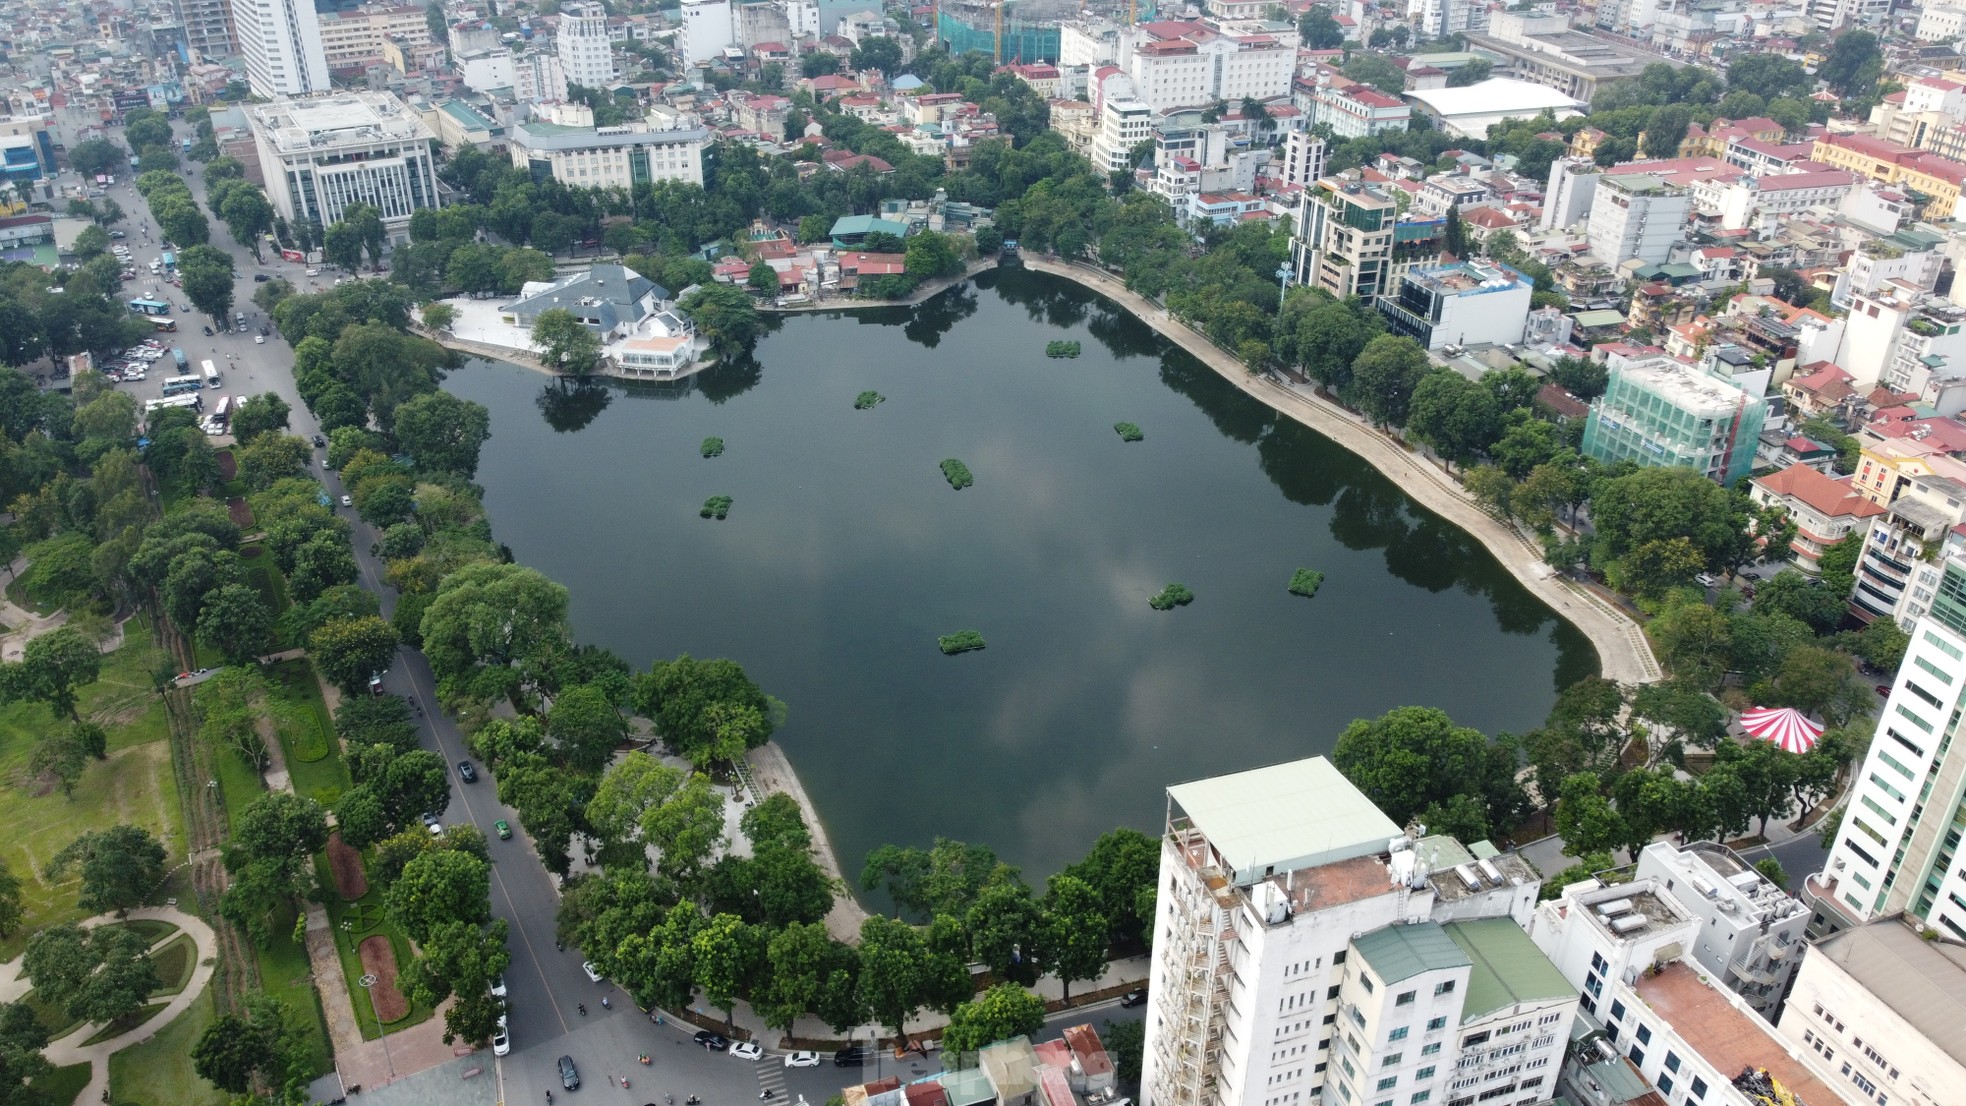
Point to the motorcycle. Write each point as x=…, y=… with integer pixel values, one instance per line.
x=624, y=1082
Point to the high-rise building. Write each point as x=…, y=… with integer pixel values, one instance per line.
x=208, y=28
x=1303, y=158
x=281, y=41
x=323, y=154
x=1276, y=980
x=1898, y=847
x=582, y=43
x=1660, y=412
x=1636, y=215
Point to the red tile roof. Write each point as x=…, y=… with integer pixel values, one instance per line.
x=1824, y=494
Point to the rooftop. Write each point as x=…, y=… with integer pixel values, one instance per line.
x=1730, y=1038
x=1685, y=386
x=1825, y=494
x=1468, y=278
x=1493, y=96
x=1923, y=982
x=1509, y=969
x=1299, y=814
x=344, y=119
x=1402, y=952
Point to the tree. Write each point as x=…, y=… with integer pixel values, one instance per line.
x=762, y=279
x=1474, y=71
x=348, y=651
x=97, y=156
x=1330, y=338
x=881, y=52
x=236, y=623
x=1455, y=415
x=1808, y=601
x=438, y=316
x=60, y=756
x=1377, y=71
x=726, y=953
x=208, y=280
x=1817, y=681
x=725, y=316
x=10, y=905
x=281, y=826
x=1384, y=376
x=442, y=432
x=260, y=414
x=95, y=975
x=1854, y=64
x=893, y=980
x=1074, y=931
x=587, y=727
x=1584, y=817
x=462, y=959
x=687, y=827
x=486, y=618
x=1006, y=932
x=51, y=668
x=1002, y=1012
x=1320, y=30
x=797, y=961
x=248, y=216
x=565, y=343
x=1656, y=504
x=232, y=1051
x=437, y=887
x=1412, y=758
x=1654, y=568
x=1122, y=866
x=707, y=711
x=1454, y=237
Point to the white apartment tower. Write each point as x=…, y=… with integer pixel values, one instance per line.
x=1303, y=159
x=1636, y=215
x=1268, y=880
x=582, y=43
x=281, y=42
x=708, y=27
x=1898, y=847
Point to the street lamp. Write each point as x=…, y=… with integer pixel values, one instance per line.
x=1283, y=282
x=368, y=982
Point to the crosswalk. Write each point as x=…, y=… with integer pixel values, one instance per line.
x=771, y=1076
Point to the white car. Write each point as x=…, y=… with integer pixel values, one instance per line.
x=348, y=501
x=313, y=272
x=259, y=339
x=593, y=973
x=802, y=1059
x=746, y=1050
x=501, y=1038
x=498, y=986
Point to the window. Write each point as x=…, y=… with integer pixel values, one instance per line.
x=1367, y=981
x=1664, y=1083
x=1645, y=1034
x=1388, y=1083
x=1431, y=1050
x=1419, y=1096
x=1398, y=1034
x=1672, y=1060
x=1436, y=1023
x=1637, y=1055
x=1699, y=1087
x=1424, y=1073
x=1392, y=1060
x=1446, y=988
x=1474, y=1039
x=1617, y=1009
x=1405, y=998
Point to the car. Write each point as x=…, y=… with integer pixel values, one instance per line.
x=802, y=1059
x=504, y=829
x=746, y=1050
x=852, y=1056
x=1707, y=580
x=117, y=234
x=501, y=1038
x=498, y=987
x=375, y=684
x=569, y=1075
x=241, y=329
x=436, y=827
x=258, y=339
x=593, y=973
x=261, y=278
x=348, y=501
x=1133, y=998
x=1883, y=689
x=313, y=272
x=208, y=332
x=467, y=771
x=320, y=442
x=715, y=1042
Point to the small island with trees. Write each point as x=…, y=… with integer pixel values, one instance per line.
x=1061, y=349
x=1171, y=596
x=957, y=474
x=717, y=507
x=867, y=400
x=1129, y=432
x=1305, y=582
x=962, y=641
x=713, y=447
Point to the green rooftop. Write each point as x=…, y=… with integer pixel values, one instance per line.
x=1402, y=952
x=1508, y=967
x=1599, y=318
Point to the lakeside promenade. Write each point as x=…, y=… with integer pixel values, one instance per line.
x=1623, y=653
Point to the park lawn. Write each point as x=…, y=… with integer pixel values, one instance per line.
x=158, y=1072
x=345, y=944
x=53, y=1019
x=134, y=785
x=174, y=964
x=263, y=573
x=127, y=1022
x=303, y=717
x=152, y=930
x=286, y=975
x=65, y=1084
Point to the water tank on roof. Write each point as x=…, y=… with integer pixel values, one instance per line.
x=1493, y=873
x=1467, y=877
x=1614, y=907
x=1629, y=922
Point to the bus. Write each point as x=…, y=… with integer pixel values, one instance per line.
x=150, y=307
x=196, y=403
x=183, y=362
x=211, y=376
x=178, y=385
x=185, y=145
x=167, y=326
x=222, y=411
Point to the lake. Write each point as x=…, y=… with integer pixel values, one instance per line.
x=846, y=554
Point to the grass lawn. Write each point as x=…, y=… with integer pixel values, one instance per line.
x=134, y=785
x=264, y=575
x=56, y=1021
x=287, y=976
x=351, y=959
x=174, y=964
x=303, y=717
x=158, y=1072
x=127, y=1022
x=65, y=1084
x=150, y=929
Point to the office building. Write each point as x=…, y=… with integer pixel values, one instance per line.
x=321, y=155
x=208, y=28
x=1277, y=888
x=1465, y=303
x=1344, y=240
x=582, y=43
x=353, y=39
x=1750, y=931
x=564, y=144
x=1543, y=47
x=709, y=26
x=1898, y=847
x=1636, y=216
x=1882, y=1013
x=1660, y=412
x=281, y=42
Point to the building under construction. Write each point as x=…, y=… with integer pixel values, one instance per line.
x=1008, y=30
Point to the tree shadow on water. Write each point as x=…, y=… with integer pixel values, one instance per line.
x=729, y=378
x=568, y=403
x=938, y=315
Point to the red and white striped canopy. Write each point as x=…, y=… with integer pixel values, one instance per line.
x=1785, y=726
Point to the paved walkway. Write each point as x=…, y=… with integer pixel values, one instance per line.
x=24, y=625
x=1623, y=653
x=70, y=1049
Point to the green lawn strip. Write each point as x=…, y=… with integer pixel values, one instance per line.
x=158, y=1071
x=150, y=929
x=175, y=963
x=133, y=786
x=287, y=976
x=264, y=575
x=53, y=1019
x=65, y=1084
x=346, y=947
x=127, y=1022
x=307, y=732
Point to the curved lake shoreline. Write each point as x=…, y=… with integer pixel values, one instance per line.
x=848, y=555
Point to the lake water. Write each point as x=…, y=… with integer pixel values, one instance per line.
x=846, y=554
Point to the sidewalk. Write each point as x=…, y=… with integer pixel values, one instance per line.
x=1623, y=653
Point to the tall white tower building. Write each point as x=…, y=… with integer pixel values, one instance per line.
x=281, y=42
x=583, y=44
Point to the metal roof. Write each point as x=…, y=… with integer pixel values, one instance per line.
x=1402, y=952
x=1923, y=982
x=1508, y=967
x=1288, y=816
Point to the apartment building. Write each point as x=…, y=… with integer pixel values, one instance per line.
x=1303, y=159
x=1750, y=930
x=1636, y=216
x=581, y=40
x=353, y=39
x=565, y=144
x=1358, y=110
x=1937, y=178
x=208, y=28
x=1441, y=18
x=321, y=155
x=281, y=42
x=1268, y=879
x=1461, y=304
x=1880, y=1009
x=1658, y=411
x=1344, y=240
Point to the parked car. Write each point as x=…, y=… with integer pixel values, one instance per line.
x=431, y=823
x=852, y=1056
x=498, y=986
x=746, y=1050
x=715, y=1042
x=261, y=278
x=1707, y=580
x=501, y=1038
x=467, y=771
x=375, y=681
x=1133, y=998
x=802, y=1059
x=593, y=973
x=320, y=442
x=1883, y=689
x=258, y=339
x=569, y=1075
x=348, y=501
x=504, y=829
